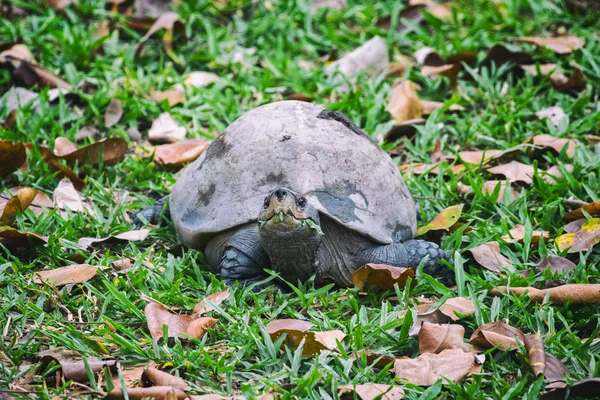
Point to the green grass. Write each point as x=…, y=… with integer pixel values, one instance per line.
x=237, y=356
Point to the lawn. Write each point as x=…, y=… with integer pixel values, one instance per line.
x=263, y=51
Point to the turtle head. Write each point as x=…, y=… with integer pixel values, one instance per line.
x=288, y=213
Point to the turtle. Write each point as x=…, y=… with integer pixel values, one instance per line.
x=300, y=190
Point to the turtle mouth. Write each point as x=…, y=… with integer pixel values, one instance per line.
x=282, y=222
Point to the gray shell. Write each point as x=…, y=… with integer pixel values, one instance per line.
x=306, y=148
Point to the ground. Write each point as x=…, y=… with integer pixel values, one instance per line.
x=290, y=47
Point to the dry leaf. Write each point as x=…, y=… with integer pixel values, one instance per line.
x=457, y=305
x=514, y=171
x=58, y=5
x=204, y=306
x=500, y=55
x=450, y=71
x=497, y=334
x=554, y=174
x=87, y=132
x=382, y=276
x=55, y=166
x=482, y=157
x=438, y=10
x=16, y=204
x=41, y=202
x=576, y=81
x=435, y=169
x=582, y=240
x=169, y=22
x=72, y=366
x=517, y=234
x=575, y=293
x=371, y=55
x=154, y=392
x=130, y=236
x=14, y=239
x=535, y=349
x=66, y=197
x=200, y=79
x=555, y=369
x=434, y=338
x=179, y=325
x=575, y=226
x=488, y=189
x=179, y=153
x=71, y=274
x=488, y=256
x=590, y=208
x=173, y=96
x=555, y=114
x=24, y=68
x=154, y=377
x=371, y=391
x=331, y=4
x=452, y=310
x=556, y=143
x=555, y=264
x=152, y=8
x=404, y=104
x=114, y=112
x=297, y=331
x=560, y=45
x=586, y=388
x=374, y=360
x=427, y=369
x=443, y=220
x=12, y=156
x=110, y=151
x=166, y=130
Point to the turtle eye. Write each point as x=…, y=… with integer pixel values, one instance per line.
x=301, y=202
x=267, y=201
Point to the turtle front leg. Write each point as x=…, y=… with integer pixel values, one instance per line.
x=410, y=254
x=153, y=213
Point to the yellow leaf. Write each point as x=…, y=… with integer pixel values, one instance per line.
x=444, y=220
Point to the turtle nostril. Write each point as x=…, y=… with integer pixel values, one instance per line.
x=280, y=193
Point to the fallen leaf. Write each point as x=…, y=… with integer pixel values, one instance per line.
x=438, y=10
x=165, y=129
x=457, y=307
x=16, y=204
x=575, y=293
x=41, y=202
x=109, y=150
x=72, y=366
x=58, y=5
x=582, y=240
x=435, y=169
x=54, y=165
x=122, y=264
x=12, y=156
x=443, y=220
x=576, y=81
x=71, y=274
x=488, y=256
x=173, y=96
x=560, y=45
x=24, y=68
x=371, y=391
x=374, y=360
x=13, y=238
x=558, y=144
x=169, y=22
x=154, y=392
x=517, y=234
x=331, y=4
x=482, y=157
x=114, y=112
x=554, y=173
x=154, y=377
x=452, y=310
x=179, y=153
x=500, y=55
x=535, y=349
x=497, y=334
x=382, y=276
x=130, y=236
x=450, y=71
x=555, y=369
x=428, y=368
x=66, y=197
x=200, y=79
x=87, y=132
x=514, y=171
x=404, y=104
x=371, y=55
x=434, y=338
x=297, y=331
x=590, y=208
x=152, y=8
x=555, y=264
x=488, y=188
x=215, y=298
x=427, y=56
x=179, y=325
x=586, y=388
x=555, y=114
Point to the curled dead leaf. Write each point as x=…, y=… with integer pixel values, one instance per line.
x=451, y=310
x=482, y=157
x=12, y=157
x=114, y=112
x=497, y=334
x=443, y=220
x=371, y=391
x=170, y=23
x=488, y=188
x=555, y=264
x=173, y=96
x=560, y=44
x=154, y=377
x=575, y=293
x=558, y=144
x=154, y=392
x=179, y=153
x=110, y=151
x=179, y=325
x=434, y=338
x=297, y=332
x=165, y=129
x=517, y=234
x=135, y=235
x=404, y=103
x=24, y=68
x=428, y=368
x=488, y=256
x=16, y=204
x=14, y=239
x=204, y=305
x=71, y=274
x=514, y=171
x=576, y=81
x=72, y=367
x=66, y=197
x=382, y=276
x=535, y=349
x=582, y=240
x=591, y=208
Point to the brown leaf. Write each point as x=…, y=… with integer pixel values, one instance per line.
x=154, y=392
x=576, y=81
x=497, y=333
x=54, y=165
x=132, y=375
x=152, y=8
x=63, y=146
x=122, y=264
x=555, y=369
x=179, y=325
x=575, y=293
x=556, y=143
x=488, y=189
x=169, y=22
x=590, y=208
x=12, y=157
x=58, y=5
x=434, y=338
x=535, y=349
x=443, y=220
x=173, y=96
x=72, y=366
x=374, y=360
x=216, y=298
x=582, y=240
x=554, y=173
x=382, y=276
x=514, y=171
x=331, y=4
x=517, y=234
x=450, y=71
x=154, y=377
x=427, y=369
x=438, y=10
x=371, y=391
x=130, y=236
x=71, y=274
x=200, y=79
x=555, y=264
x=404, y=104
x=165, y=129
x=297, y=331
x=488, y=256
x=16, y=204
x=41, y=202
x=24, y=68
x=500, y=55
x=114, y=112
x=452, y=310
x=575, y=226
x=586, y=388
x=179, y=153
x=87, y=132
x=560, y=45
x=66, y=197
x=110, y=150
x=482, y=157
x=457, y=305
x=435, y=169
x=14, y=239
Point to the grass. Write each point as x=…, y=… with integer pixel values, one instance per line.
x=104, y=317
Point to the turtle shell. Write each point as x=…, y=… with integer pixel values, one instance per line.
x=303, y=147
